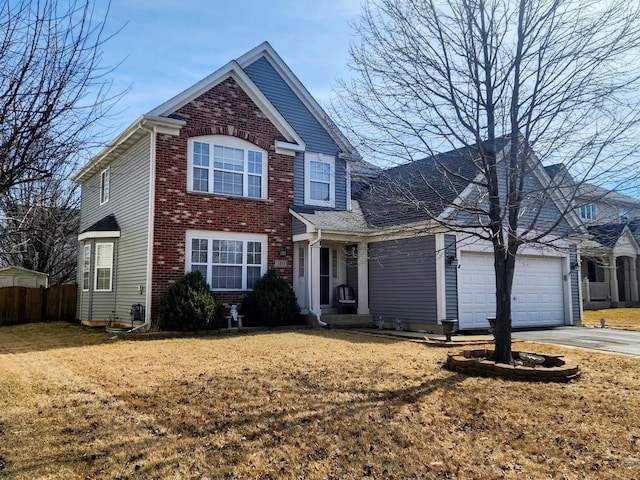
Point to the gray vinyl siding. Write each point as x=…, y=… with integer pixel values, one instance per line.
x=341, y=184
x=451, y=278
x=575, y=292
x=402, y=280
x=129, y=203
x=297, y=227
x=316, y=138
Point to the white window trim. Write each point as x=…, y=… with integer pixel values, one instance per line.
x=319, y=157
x=98, y=267
x=592, y=210
x=228, y=141
x=86, y=266
x=105, y=193
x=213, y=235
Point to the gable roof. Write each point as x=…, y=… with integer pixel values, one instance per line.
x=235, y=71
x=266, y=51
x=607, y=235
x=106, y=227
x=15, y=268
x=400, y=195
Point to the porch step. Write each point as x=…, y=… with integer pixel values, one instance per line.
x=348, y=320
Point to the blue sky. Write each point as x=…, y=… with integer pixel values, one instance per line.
x=165, y=46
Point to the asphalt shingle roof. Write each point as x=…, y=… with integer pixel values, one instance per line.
x=421, y=189
x=107, y=224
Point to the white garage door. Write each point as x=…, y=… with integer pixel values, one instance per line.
x=537, y=298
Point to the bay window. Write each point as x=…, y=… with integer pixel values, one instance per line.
x=104, y=267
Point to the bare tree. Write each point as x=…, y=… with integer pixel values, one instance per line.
x=40, y=227
x=510, y=85
x=53, y=89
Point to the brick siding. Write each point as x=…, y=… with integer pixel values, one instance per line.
x=225, y=109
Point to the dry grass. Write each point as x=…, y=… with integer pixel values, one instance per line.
x=316, y=404
x=620, y=318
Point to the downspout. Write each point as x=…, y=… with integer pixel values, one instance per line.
x=152, y=183
x=310, y=293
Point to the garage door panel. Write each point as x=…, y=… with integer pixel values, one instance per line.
x=537, y=296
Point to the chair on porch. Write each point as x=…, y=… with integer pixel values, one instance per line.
x=345, y=297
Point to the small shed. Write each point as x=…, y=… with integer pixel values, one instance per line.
x=22, y=277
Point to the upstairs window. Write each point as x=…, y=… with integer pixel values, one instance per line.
x=588, y=211
x=227, y=166
x=320, y=186
x=105, y=181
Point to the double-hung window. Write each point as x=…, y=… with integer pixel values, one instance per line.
x=86, y=266
x=588, y=211
x=104, y=267
x=227, y=166
x=228, y=261
x=105, y=185
x=320, y=184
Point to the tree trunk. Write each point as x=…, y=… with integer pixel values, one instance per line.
x=504, y=269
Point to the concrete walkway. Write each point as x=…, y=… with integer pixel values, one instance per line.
x=605, y=339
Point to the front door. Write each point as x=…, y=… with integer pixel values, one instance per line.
x=325, y=276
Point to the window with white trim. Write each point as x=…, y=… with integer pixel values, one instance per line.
x=588, y=211
x=103, y=267
x=86, y=266
x=105, y=185
x=301, y=258
x=228, y=261
x=320, y=185
x=227, y=166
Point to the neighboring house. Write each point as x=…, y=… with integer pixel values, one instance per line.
x=609, y=253
x=245, y=172
x=22, y=277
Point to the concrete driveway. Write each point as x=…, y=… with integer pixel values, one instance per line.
x=619, y=341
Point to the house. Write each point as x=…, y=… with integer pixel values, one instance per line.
x=244, y=172
x=22, y=277
x=609, y=266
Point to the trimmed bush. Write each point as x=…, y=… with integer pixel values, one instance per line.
x=272, y=302
x=188, y=304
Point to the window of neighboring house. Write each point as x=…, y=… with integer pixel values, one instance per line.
x=227, y=261
x=320, y=187
x=105, y=184
x=301, y=257
x=86, y=267
x=227, y=166
x=588, y=211
x=623, y=214
x=104, y=267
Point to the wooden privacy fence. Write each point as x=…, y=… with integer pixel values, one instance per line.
x=27, y=305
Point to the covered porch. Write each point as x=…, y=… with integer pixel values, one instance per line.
x=330, y=251
x=609, y=270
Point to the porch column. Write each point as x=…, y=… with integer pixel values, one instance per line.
x=633, y=276
x=613, y=281
x=363, y=279
x=314, y=278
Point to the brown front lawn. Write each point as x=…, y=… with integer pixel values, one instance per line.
x=313, y=404
x=620, y=318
